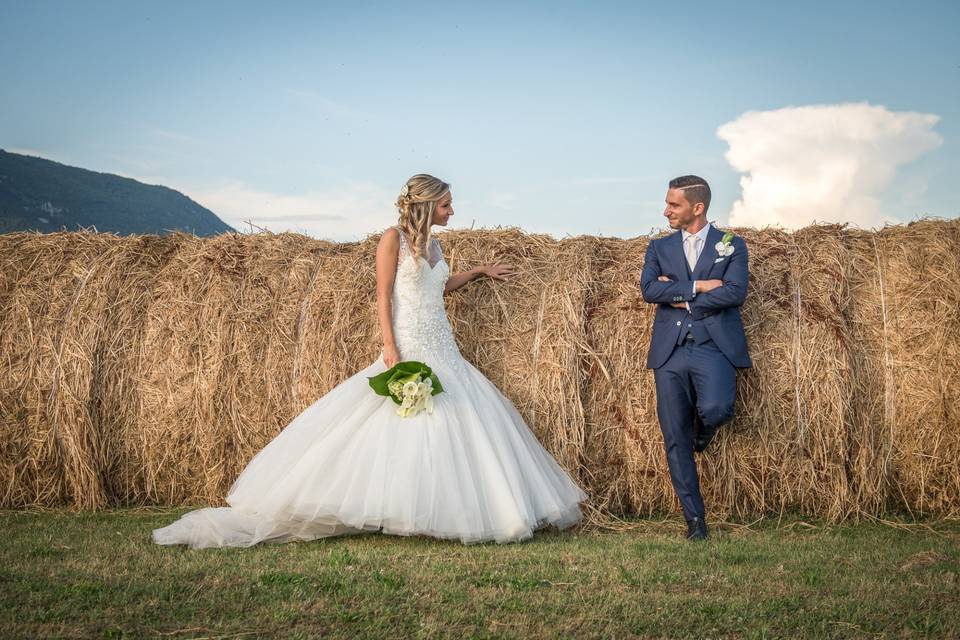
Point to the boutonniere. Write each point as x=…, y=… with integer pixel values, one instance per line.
x=724, y=248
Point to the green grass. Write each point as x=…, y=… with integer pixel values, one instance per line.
x=98, y=575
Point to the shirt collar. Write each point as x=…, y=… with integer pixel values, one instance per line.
x=702, y=234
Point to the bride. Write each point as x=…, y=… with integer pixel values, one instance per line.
x=470, y=469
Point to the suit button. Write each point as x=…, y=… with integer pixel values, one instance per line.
x=679, y=323
x=690, y=326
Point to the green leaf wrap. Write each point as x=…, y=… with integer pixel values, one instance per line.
x=402, y=372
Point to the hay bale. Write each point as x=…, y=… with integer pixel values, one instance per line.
x=870, y=453
x=338, y=333
x=812, y=469
x=214, y=367
x=786, y=446
x=50, y=444
x=121, y=351
x=527, y=334
x=748, y=470
x=624, y=448
x=743, y=471
x=907, y=280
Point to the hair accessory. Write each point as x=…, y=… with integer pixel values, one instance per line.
x=404, y=191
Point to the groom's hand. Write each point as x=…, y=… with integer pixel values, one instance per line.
x=708, y=285
x=675, y=305
x=702, y=285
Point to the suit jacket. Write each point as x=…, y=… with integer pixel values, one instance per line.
x=718, y=310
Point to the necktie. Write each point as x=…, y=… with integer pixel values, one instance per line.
x=692, y=243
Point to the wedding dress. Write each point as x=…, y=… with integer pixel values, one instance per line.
x=471, y=470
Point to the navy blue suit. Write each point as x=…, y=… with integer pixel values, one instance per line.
x=694, y=354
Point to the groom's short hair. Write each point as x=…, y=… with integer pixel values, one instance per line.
x=694, y=188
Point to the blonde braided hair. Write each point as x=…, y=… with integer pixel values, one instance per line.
x=416, y=204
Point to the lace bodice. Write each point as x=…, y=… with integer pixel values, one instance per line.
x=420, y=324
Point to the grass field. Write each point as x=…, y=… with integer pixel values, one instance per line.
x=98, y=575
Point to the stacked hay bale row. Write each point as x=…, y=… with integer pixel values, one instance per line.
x=149, y=370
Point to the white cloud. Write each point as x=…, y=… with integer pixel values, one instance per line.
x=828, y=163
x=344, y=213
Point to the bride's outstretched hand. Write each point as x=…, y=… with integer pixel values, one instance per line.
x=498, y=271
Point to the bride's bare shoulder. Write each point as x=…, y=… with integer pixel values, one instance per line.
x=390, y=238
x=388, y=249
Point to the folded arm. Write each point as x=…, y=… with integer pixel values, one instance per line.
x=734, y=289
x=662, y=291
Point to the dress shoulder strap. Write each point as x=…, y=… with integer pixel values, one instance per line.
x=405, y=249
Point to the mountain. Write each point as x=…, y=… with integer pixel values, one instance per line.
x=42, y=195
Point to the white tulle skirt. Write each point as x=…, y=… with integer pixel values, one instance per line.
x=472, y=470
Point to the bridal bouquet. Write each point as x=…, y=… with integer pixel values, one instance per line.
x=410, y=384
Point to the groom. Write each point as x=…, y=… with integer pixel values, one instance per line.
x=698, y=280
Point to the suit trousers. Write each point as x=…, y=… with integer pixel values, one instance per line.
x=695, y=378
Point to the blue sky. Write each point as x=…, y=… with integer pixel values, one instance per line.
x=564, y=118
